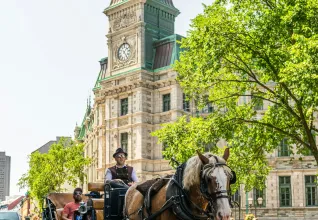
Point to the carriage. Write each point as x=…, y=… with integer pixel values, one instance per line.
x=199, y=190
x=104, y=202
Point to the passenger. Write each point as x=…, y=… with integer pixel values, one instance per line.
x=121, y=172
x=71, y=207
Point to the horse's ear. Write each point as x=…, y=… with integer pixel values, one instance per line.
x=226, y=154
x=203, y=158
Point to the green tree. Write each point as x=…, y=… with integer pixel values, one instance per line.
x=64, y=163
x=241, y=55
x=184, y=137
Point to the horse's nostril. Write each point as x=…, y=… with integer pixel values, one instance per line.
x=220, y=215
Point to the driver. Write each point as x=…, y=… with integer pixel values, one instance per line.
x=121, y=172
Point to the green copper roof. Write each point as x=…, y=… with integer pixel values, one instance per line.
x=102, y=73
x=115, y=3
x=83, y=128
x=167, y=51
x=119, y=2
x=168, y=3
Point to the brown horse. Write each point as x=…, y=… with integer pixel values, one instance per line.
x=201, y=193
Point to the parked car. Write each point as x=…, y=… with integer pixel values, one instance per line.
x=6, y=215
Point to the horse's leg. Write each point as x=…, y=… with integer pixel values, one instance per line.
x=157, y=202
x=133, y=202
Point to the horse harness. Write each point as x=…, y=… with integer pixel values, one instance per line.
x=178, y=198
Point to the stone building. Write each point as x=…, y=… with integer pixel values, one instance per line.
x=136, y=91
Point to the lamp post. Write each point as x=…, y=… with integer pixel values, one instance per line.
x=250, y=204
x=259, y=201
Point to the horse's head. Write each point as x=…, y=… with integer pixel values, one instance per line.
x=216, y=178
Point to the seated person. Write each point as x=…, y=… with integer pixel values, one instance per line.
x=71, y=207
x=121, y=172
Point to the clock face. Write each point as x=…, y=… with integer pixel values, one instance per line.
x=124, y=52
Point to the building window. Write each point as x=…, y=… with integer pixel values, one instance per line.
x=259, y=194
x=307, y=152
x=124, y=106
x=166, y=102
x=258, y=103
x=284, y=191
x=283, y=150
x=244, y=98
x=186, y=104
x=208, y=108
x=124, y=141
x=311, y=190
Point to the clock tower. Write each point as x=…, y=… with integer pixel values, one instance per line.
x=134, y=25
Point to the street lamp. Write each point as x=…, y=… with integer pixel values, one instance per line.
x=250, y=203
x=259, y=201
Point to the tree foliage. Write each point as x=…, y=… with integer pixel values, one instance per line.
x=184, y=137
x=240, y=55
x=48, y=172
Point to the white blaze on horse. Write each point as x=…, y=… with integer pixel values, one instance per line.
x=199, y=190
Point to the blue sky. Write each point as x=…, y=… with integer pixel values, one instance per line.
x=49, y=53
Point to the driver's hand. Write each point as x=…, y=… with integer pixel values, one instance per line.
x=131, y=183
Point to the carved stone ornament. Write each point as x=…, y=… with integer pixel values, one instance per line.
x=123, y=122
x=132, y=59
x=133, y=78
x=125, y=20
x=165, y=118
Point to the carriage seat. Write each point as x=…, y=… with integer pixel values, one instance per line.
x=98, y=204
x=59, y=213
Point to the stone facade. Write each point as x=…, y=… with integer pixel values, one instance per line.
x=294, y=166
x=271, y=209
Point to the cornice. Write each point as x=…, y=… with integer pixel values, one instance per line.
x=114, y=8
x=131, y=87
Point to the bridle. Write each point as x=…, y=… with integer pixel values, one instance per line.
x=214, y=196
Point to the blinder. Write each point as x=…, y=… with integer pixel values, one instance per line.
x=233, y=178
x=218, y=194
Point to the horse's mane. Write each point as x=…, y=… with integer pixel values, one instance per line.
x=192, y=170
